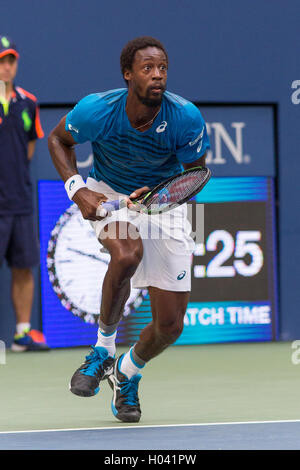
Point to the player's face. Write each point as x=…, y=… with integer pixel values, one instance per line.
x=8, y=68
x=148, y=76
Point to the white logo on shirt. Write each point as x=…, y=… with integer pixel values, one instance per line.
x=71, y=128
x=200, y=136
x=162, y=127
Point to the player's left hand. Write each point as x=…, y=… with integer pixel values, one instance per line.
x=138, y=193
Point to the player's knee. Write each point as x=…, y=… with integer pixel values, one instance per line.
x=170, y=331
x=126, y=262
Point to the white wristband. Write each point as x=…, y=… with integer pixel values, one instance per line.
x=73, y=184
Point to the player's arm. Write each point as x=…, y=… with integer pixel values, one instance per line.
x=192, y=138
x=199, y=162
x=31, y=149
x=61, y=147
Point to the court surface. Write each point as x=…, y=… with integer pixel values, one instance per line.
x=224, y=396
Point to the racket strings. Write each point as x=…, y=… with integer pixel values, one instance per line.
x=178, y=189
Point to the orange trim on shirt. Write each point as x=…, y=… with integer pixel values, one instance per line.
x=26, y=93
x=38, y=125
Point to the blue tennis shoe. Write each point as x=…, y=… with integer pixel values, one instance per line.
x=125, y=403
x=97, y=366
x=29, y=340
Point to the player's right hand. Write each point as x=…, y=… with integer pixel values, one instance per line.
x=88, y=202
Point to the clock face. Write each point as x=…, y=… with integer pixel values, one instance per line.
x=77, y=267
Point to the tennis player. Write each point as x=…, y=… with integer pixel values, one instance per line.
x=140, y=135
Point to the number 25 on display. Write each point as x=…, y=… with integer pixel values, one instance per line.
x=244, y=244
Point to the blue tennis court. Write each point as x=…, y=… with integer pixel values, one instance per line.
x=280, y=435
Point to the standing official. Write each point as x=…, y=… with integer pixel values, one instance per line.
x=19, y=128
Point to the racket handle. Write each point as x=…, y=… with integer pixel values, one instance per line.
x=110, y=206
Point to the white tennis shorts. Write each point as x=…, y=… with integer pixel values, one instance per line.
x=167, y=243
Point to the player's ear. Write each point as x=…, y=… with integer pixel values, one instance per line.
x=127, y=75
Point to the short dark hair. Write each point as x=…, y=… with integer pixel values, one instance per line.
x=128, y=52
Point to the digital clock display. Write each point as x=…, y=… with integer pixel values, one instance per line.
x=233, y=296
x=232, y=263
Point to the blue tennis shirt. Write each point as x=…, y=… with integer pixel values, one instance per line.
x=127, y=159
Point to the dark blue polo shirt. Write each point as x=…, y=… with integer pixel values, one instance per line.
x=19, y=124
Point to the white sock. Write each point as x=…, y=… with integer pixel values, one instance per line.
x=108, y=342
x=129, y=366
x=21, y=327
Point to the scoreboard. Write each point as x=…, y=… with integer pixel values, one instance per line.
x=233, y=295
x=234, y=269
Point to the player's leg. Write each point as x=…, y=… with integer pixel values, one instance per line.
x=168, y=310
x=22, y=255
x=22, y=290
x=166, y=268
x=126, y=254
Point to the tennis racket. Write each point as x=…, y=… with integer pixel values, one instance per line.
x=171, y=193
